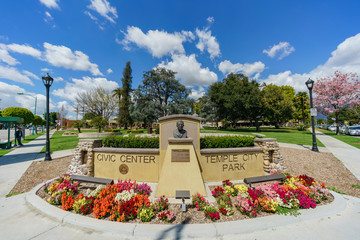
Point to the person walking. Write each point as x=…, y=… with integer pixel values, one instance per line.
x=18, y=136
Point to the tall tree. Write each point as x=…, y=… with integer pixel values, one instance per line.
x=279, y=106
x=145, y=109
x=336, y=92
x=236, y=98
x=97, y=102
x=124, y=111
x=206, y=109
x=171, y=96
x=24, y=113
x=117, y=93
x=301, y=102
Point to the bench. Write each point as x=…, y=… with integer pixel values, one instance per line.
x=3, y=145
x=267, y=178
x=96, y=180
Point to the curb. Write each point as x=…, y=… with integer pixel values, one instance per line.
x=206, y=230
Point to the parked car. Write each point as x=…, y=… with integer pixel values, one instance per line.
x=342, y=129
x=332, y=128
x=353, y=130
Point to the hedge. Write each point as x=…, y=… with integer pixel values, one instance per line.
x=226, y=141
x=131, y=142
x=135, y=131
x=153, y=142
x=112, y=130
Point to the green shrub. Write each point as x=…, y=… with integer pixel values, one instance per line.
x=302, y=127
x=112, y=130
x=135, y=131
x=131, y=142
x=226, y=141
x=153, y=142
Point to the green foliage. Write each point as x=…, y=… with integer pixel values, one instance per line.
x=302, y=127
x=135, y=131
x=99, y=122
x=53, y=117
x=356, y=186
x=131, y=142
x=24, y=113
x=287, y=211
x=79, y=124
x=226, y=142
x=124, y=106
x=279, y=105
x=37, y=120
x=301, y=103
x=237, y=98
x=170, y=95
x=112, y=130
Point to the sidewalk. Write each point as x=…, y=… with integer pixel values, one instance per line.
x=347, y=154
x=14, y=164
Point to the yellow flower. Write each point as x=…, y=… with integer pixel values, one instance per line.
x=241, y=188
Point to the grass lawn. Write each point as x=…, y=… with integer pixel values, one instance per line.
x=59, y=142
x=353, y=141
x=28, y=138
x=284, y=135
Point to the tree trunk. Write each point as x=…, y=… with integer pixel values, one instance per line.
x=303, y=110
x=277, y=125
x=337, y=122
x=79, y=130
x=257, y=125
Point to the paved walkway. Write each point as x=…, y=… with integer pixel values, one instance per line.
x=26, y=216
x=347, y=154
x=15, y=163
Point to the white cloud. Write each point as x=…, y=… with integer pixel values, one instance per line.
x=58, y=79
x=346, y=58
x=46, y=70
x=10, y=98
x=24, y=49
x=158, y=43
x=13, y=74
x=210, y=19
x=71, y=89
x=196, y=94
x=297, y=81
x=61, y=56
x=30, y=74
x=50, y=3
x=104, y=9
x=5, y=56
x=109, y=71
x=189, y=70
x=282, y=50
x=49, y=19
x=208, y=42
x=248, y=69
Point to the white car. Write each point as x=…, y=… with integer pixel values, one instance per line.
x=332, y=128
x=353, y=130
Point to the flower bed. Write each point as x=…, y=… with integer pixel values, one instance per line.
x=128, y=201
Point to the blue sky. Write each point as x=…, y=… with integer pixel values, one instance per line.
x=85, y=44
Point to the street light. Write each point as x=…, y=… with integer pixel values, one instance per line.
x=47, y=80
x=310, y=84
x=34, y=109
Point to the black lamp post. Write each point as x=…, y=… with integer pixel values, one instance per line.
x=310, y=84
x=47, y=80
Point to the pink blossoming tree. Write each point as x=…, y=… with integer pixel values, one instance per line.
x=336, y=92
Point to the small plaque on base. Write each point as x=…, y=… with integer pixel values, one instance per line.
x=180, y=155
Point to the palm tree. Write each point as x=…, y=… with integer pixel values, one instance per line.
x=117, y=92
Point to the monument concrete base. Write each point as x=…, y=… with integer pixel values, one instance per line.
x=180, y=170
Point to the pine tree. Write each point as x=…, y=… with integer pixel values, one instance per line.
x=124, y=112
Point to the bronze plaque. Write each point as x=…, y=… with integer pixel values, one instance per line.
x=124, y=169
x=180, y=155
